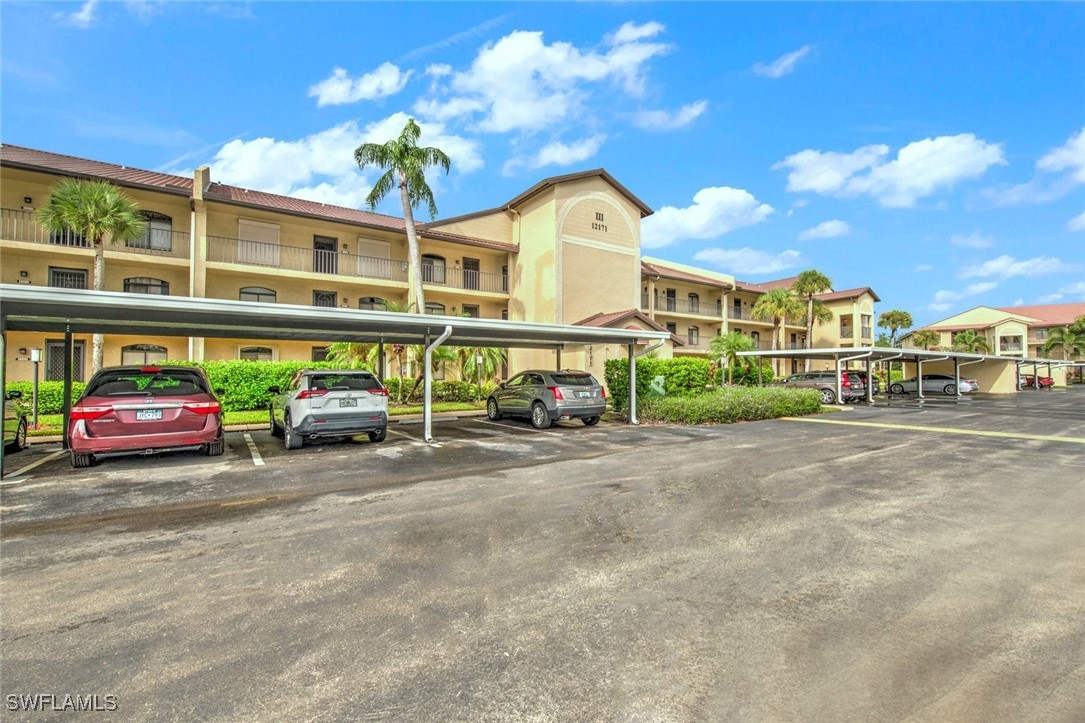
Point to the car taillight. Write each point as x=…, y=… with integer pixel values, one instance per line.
x=150, y=370
x=382, y=391
x=88, y=413
x=603, y=392
x=203, y=407
x=309, y=393
x=845, y=381
x=556, y=391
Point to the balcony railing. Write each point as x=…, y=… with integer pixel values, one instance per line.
x=682, y=306
x=1011, y=347
x=298, y=258
x=846, y=333
x=740, y=314
x=21, y=226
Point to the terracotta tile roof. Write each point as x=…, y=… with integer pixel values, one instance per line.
x=17, y=156
x=542, y=185
x=847, y=294
x=669, y=273
x=604, y=319
x=1049, y=314
x=765, y=285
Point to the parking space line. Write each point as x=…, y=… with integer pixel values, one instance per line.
x=32, y=465
x=256, y=458
x=941, y=430
x=506, y=426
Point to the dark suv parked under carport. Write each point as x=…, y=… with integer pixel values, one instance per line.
x=544, y=397
x=851, y=386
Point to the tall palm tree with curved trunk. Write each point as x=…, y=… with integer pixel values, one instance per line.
x=894, y=320
x=971, y=342
x=1072, y=344
x=727, y=346
x=406, y=162
x=776, y=306
x=807, y=285
x=95, y=210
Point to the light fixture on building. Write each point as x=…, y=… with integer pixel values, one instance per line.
x=24, y=274
x=345, y=247
x=22, y=351
x=28, y=199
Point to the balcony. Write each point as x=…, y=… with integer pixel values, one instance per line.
x=847, y=333
x=865, y=331
x=335, y=263
x=1013, y=347
x=668, y=305
x=21, y=226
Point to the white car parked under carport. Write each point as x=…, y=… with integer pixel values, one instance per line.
x=935, y=384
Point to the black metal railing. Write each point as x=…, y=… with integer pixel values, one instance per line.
x=16, y=225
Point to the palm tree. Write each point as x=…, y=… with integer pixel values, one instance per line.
x=1078, y=325
x=926, y=338
x=493, y=358
x=354, y=355
x=1072, y=344
x=807, y=285
x=894, y=320
x=406, y=163
x=971, y=342
x=94, y=210
x=776, y=306
x=726, y=347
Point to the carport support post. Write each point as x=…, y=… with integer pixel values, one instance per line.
x=839, y=389
x=558, y=352
x=67, y=396
x=869, y=383
x=919, y=379
x=632, y=387
x=3, y=386
x=957, y=376
x=380, y=361
x=427, y=375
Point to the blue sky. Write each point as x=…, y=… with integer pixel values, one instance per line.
x=935, y=153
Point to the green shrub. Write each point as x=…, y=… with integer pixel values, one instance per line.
x=747, y=377
x=682, y=376
x=731, y=404
x=50, y=394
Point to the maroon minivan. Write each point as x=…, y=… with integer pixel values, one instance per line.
x=143, y=410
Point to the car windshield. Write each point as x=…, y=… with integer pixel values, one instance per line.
x=574, y=380
x=352, y=382
x=157, y=383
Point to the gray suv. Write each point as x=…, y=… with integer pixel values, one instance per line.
x=851, y=385
x=544, y=397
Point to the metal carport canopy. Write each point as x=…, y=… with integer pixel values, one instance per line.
x=71, y=311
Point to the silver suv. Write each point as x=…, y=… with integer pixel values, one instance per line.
x=851, y=386
x=329, y=403
x=544, y=397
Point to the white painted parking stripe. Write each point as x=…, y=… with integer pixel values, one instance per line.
x=31, y=466
x=256, y=458
x=505, y=426
x=17, y=482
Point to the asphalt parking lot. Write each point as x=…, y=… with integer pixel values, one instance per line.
x=912, y=561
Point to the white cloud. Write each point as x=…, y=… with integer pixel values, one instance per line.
x=521, y=83
x=1006, y=266
x=340, y=89
x=83, y=17
x=1019, y=302
x=559, y=154
x=321, y=166
x=715, y=211
x=439, y=70
x=1077, y=223
x=826, y=229
x=1076, y=289
x=1068, y=157
x=944, y=299
x=974, y=240
x=920, y=169
x=661, y=120
x=924, y=267
x=1050, y=298
x=749, y=261
x=782, y=65
x=1058, y=172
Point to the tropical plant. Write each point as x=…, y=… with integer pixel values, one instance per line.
x=493, y=358
x=406, y=163
x=354, y=355
x=726, y=348
x=1063, y=336
x=94, y=210
x=1078, y=325
x=894, y=320
x=807, y=285
x=776, y=305
x=926, y=338
x=971, y=342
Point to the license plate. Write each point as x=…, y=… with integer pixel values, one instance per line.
x=148, y=415
x=583, y=394
x=348, y=402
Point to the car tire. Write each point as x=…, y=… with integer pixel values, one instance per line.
x=896, y=389
x=82, y=460
x=950, y=390
x=590, y=421
x=291, y=439
x=540, y=418
x=19, y=443
x=272, y=426
x=215, y=448
x=492, y=411
x=378, y=435
x=828, y=396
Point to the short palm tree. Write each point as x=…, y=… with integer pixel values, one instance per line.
x=894, y=320
x=95, y=210
x=777, y=305
x=971, y=342
x=807, y=285
x=493, y=358
x=354, y=355
x=406, y=163
x=926, y=338
x=1072, y=344
x=726, y=347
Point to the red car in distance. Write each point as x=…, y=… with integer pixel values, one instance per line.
x=1029, y=382
x=142, y=410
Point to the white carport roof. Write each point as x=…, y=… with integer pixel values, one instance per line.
x=883, y=353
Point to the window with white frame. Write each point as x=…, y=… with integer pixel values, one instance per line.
x=256, y=353
x=147, y=285
x=433, y=269
x=159, y=233
x=140, y=354
x=259, y=294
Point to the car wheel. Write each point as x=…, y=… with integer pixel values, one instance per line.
x=378, y=435
x=828, y=396
x=291, y=439
x=492, y=411
x=82, y=460
x=19, y=442
x=950, y=390
x=1022, y=384
x=896, y=389
x=590, y=421
x=540, y=418
x=215, y=448
x=272, y=426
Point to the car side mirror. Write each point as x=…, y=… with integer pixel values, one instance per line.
x=14, y=394
x=274, y=390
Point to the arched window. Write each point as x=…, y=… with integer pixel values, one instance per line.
x=433, y=269
x=372, y=303
x=256, y=353
x=140, y=354
x=432, y=307
x=146, y=285
x=159, y=233
x=257, y=293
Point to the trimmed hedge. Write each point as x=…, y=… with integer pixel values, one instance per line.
x=682, y=376
x=50, y=394
x=732, y=404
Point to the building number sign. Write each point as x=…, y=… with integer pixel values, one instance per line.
x=597, y=224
